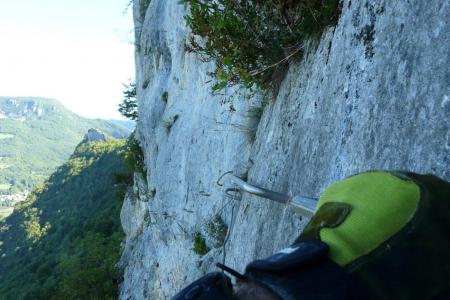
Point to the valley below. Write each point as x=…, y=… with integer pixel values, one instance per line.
x=36, y=136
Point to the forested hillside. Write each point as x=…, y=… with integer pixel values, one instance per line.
x=64, y=241
x=36, y=136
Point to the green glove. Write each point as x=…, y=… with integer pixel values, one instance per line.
x=391, y=229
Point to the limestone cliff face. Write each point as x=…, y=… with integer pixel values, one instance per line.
x=21, y=110
x=94, y=135
x=373, y=93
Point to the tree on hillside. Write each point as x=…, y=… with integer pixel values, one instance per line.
x=129, y=108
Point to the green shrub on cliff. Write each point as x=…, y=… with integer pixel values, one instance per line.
x=134, y=156
x=128, y=107
x=200, y=246
x=251, y=41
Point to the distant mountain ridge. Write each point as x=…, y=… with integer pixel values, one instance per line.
x=39, y=134
x=130, y=125
x=23, y=107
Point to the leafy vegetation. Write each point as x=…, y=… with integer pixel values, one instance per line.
x=252, y=41
x=217, y=230
x=200, y=246
x=129, y=107
x=64, y=241
x=134, y=157
x=39, y=135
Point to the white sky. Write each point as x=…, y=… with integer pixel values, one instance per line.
x=77, y=51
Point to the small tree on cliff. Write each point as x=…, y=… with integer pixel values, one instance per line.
x=129, y=108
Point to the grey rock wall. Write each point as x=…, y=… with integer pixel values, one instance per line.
x=373, y=93
x=94, y=135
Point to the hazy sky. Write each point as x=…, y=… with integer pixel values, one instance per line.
x=77, y=51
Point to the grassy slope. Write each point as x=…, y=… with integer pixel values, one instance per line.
x=64, y=241
x=32, y=149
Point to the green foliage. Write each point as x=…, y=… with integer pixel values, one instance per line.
x=200, y=246
x=32, y=225
x=134, y=157
x=217, y=230
x=251, y=41
x=64, y=241
x=129, y=108
x=91, y=273
x=40, y=143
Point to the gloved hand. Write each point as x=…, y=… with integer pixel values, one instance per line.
x=389, y=229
